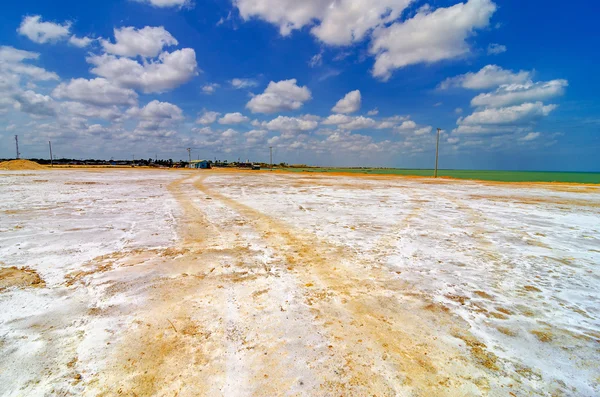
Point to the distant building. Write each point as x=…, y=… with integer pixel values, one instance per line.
x=202, y=164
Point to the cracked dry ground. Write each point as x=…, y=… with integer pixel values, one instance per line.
x=246, y=305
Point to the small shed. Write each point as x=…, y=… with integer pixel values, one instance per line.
x=202, y=164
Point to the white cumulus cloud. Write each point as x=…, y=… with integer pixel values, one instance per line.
x=349, y=103
x=43, y=32
x=98, y=91
x=350, y=122
x=157, y=110
x=489, y=76
x=335, y=23
x=80, y=42
x=208, y=117
x=233, y=118
x=429, y=36
x=34, y=103
x=147, y=42
x=12, y=61
x=210, y=88
x=284, y=123
x=508, y=115
x=169, y=71
x=512, y=94
x=281, y=96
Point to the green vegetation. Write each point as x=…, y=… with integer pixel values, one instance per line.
x=501, y=176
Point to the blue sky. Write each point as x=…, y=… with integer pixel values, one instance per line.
x=512, y=84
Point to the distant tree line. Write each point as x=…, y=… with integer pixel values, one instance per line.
x=150, y=162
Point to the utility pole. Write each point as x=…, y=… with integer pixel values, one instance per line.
x=17, y=143
x=133, y=160
x=271, y=157
x=189, y=157
x=437, y=150
x=51, y=159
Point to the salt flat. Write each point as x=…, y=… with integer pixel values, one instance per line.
x=240, y=283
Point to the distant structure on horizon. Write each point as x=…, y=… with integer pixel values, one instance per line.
x=201, y=164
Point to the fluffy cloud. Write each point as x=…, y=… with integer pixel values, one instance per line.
x=98, y=91
x=243, y=83
x=281, y=96
x=35, y=104
x=373, y=112
x=86, y=110
x=429, y=36
x=230, y=133
x=423, y=130
x=208, y=117
x=287, y=14
x=147, y=42
x=508, y=115
x=43, y=32
x=336, y=119
x=169, y=71
x=520, y=93
x=351, y=123
x=254, y=137
x=80, y=42
x=13, y=73
x=349, y=103
x=157, y=110
x=11, y=61
x=514, y=106
x=166, y=3
x=340, y=23
x=283, y=123
x=210, y=88
x=233, y=118
x=495, y=49
x=156, y=119
x=407, y=125
x=489, y=76
x=348, y=21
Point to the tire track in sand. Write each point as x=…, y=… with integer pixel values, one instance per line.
x=390, y=342
x=204, y=330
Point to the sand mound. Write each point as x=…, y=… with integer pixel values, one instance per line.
x=16, y=165
x=21, y=278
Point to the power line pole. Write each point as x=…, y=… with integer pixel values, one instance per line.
x=189, y=157
x=437, y=150
x=17, y=143
x=51, y=160
x=271, y=157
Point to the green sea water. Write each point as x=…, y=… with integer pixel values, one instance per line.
x=501, y=176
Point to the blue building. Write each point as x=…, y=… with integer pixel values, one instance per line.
x=202, y=164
